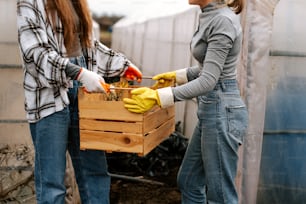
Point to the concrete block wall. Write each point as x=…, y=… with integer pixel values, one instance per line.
x=9, y=53
x=14, y=128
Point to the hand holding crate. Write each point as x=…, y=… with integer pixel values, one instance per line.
x=106, y=125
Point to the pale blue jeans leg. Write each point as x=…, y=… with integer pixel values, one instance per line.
x=50, y=141
x=208, y=170
x=191, y=176
x=51, y=136
x=90, y=166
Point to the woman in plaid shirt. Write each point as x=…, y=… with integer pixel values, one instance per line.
x=59, y=52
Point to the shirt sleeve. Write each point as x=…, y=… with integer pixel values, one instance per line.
x=72, y=70
x=220, y=42
x=43, y=62
x=109, y=62
x=193, y=72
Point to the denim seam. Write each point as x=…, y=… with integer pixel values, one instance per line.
x=219, y=147
x=40, y=176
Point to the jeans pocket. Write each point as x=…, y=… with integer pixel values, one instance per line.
x=237, y=121
x=207, y=110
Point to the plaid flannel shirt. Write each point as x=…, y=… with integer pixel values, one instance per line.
x=45, y=60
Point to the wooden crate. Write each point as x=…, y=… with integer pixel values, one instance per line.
x=107, y=125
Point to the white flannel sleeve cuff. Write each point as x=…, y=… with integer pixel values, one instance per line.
x=181, y=76
x=166, y=97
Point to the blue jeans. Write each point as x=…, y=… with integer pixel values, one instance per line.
x=52, y=137
x=208, y=170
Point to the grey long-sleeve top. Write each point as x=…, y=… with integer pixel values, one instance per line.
x=216, y=46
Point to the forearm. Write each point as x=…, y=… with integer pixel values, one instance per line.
x=193, y=72
x=199, y=86
x=46, y=66
x=72, y=70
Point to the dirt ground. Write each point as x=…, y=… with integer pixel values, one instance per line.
x=135, y=180
x=137, y=192
x=150, y=179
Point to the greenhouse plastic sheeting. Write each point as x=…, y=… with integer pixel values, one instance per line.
x=271, y=79
x=257, y=23
x=158, y=44
x=283, y=165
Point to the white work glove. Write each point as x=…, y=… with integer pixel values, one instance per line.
x=91, y=81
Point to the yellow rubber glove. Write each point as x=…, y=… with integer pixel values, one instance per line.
x=164, y=80
x=142, y=100
x=133, y=73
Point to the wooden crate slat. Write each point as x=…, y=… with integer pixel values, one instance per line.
x=157, y=118
x=110, y=141
x=111, y=126
x=107, y=125
x=108, y=110
x=95, y=105
x=156, y=136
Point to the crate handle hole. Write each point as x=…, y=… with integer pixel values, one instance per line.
x=127, y=140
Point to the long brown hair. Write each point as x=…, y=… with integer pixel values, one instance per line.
x=64, y=11
x=237, y=5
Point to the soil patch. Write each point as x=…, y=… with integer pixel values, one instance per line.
x=135, y=180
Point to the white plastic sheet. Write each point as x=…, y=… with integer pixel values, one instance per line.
x=282, y=171
x=165, y=46
x=159, y=43
x=257, y=22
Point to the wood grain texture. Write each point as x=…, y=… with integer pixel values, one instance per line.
x=107, y=125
